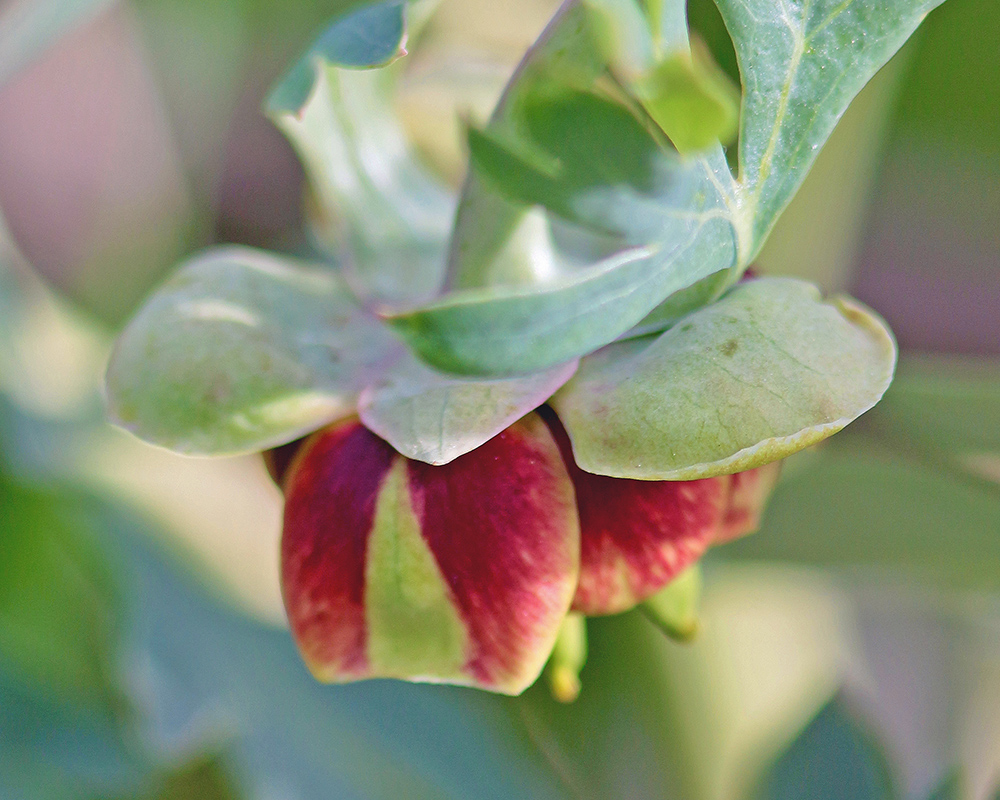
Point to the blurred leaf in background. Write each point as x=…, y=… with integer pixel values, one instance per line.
x=59, y=608
x=28, y=27
x=122, y=676
x=834, y=758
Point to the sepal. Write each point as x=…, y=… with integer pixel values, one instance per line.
x=674, y=609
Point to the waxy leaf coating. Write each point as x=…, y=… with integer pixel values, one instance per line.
x=762, y=373
x=381, y=212
x=460, y=573
x=801, y=63
x=433, y=417
x=590, y=161
x=242, y=350
x=369, y=37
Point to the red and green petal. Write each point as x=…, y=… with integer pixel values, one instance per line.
x=636, y=536
x=460, y=573
x=748, y=495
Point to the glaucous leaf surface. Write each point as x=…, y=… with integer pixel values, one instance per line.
x=801, y=63
x=506, y=331
x=433, y=417
x=621, y=738
x=50, y=750
x=646, y=47
x=381, y=212
x=833, y=758
x=486, y=221
x=218, y=678
x=369, y=37
x=691, y=100
x=590, y=161
x=762, y=373
x=241, y=351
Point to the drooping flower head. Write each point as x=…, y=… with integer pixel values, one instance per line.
x=465, y=572
x=545, y=396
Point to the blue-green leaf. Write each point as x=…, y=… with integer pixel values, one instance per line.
x=834, y=758
x=506, y=331
x=762, y=373
x=593, y=163
x=433, y=417
x=382, y=214
x=369, y=37
x=215, y=678
x=620, y=739
x=802, y=62
x=241, y=351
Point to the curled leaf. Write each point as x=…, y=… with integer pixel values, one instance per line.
x=762, y=373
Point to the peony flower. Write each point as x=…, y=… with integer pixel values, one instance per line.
x=464, y=573
x=540, y=398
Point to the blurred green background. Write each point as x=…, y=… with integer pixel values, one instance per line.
x=849, y=649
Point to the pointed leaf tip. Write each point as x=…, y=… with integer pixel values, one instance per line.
x=372, y=36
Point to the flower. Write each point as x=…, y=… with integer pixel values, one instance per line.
x=587, y=275
x=464, y=573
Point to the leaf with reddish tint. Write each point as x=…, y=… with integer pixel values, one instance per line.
x=461, y=573
x=434, y=417
x=765, y=371
x=635, y=536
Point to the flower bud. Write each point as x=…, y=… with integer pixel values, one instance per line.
x=461, y=573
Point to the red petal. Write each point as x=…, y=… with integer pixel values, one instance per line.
x=635, y=536
x=502, y=523
x=331, y=489
x=749, y=492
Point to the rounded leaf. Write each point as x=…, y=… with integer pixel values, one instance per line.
x=765, y=371
x=242, y=350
